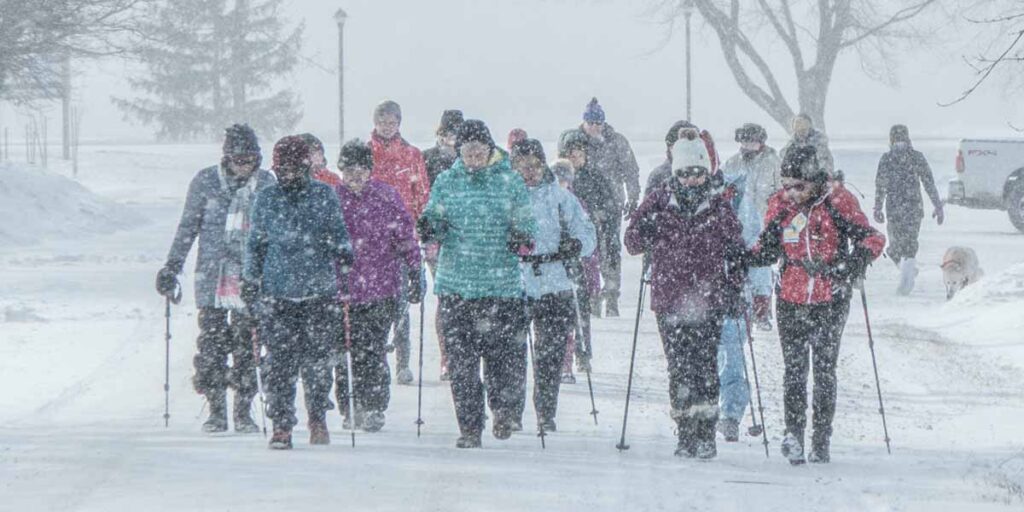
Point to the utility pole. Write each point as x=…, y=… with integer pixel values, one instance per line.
x=687, y=8
x=340, y=17
x=65, y=100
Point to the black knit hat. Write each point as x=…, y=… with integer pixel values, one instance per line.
x=528, y=147
x=239, y=139
x=313, y=141
x=473, y=130
x=801, y=162
x=450, y=121
x=355, y=153
x=575, y=139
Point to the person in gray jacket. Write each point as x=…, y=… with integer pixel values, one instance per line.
x=610, y=160
x=217, y=211
x=804, y=134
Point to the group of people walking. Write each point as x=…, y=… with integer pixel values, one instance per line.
x=305, y=273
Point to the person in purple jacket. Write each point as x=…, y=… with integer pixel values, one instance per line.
x=381, y=232
x=691, y=232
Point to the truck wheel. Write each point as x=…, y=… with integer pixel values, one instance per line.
x=1015, y=206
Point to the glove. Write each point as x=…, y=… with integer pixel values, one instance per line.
x=880, y=217
x=569, y=249
x=939, y=215
x=167, y=281
x=630, y=208
x=520, y=243
x=428, y=232
x=853, y=268
x=647, y=227
x=415, y=295
x=737, y=261
x=250, y=293
x=345, y=261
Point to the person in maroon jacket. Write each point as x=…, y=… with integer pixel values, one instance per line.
x=823, y=242
x=690, y=231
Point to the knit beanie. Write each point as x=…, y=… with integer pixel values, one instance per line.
x=594, y=113
x=450, y=121
x=528, y=147
x=355, y=153
x=473, y=130
x=291, y=151
x=801, y=162
x=239, y=139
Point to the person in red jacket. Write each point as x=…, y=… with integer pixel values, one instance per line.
x=400, y=165
x=319, y=161
x=823, y=242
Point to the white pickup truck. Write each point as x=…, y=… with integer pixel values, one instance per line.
x=990, y=175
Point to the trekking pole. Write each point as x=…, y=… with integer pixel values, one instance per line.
x=874, y=365
x=175, y=297
x=533, y=358
x=259, y=379
x=348, y=369
x=632, y=361
x=755, y=429
x=583, y=339
x=757, y=383
x=419, y=392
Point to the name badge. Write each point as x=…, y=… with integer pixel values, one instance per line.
x=791, y=234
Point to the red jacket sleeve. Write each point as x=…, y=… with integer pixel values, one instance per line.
x=420, y=182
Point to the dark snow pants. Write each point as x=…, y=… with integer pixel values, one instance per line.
x=371, y=379
x=554, y=319
x=222, y=333
x=610, y=246
x=692, y=354
x=904, y=232
x=401, y=332
x=816, y=328
x=301, y=337
x=494, y=330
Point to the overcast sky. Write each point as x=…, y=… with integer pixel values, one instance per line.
x=535, y=64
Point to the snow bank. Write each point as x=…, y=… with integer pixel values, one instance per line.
x=36, y=205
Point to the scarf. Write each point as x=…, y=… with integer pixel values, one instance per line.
x=236, y=230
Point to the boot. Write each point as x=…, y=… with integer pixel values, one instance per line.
x=374, y=421
x=568, y=377
x=583, y=364
x=468, y=440
x=705, y=449
x=548, y=424
x=502, y=428
x=595, y=306
x=793, y=449
x=908, y=273
x=218, y=420
x=281, y=440
x=819, y=450
x=611, y=307
x=730, y=429
x=318, y=434
x=404, y=376
x=243, y=417
x=687, y=444
x=347, y=423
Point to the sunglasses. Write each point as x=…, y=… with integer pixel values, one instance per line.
x=244, y=160
x=690, y=172
x=795, y=187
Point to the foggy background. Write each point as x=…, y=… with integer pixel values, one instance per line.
x=534, y=64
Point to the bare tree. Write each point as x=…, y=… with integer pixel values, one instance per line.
x=1003, y=22
x=36, y=36
x=814, y=33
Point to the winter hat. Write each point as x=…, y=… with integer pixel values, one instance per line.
x=899, y=133
x=313, y=142
x=355, y=153
x=515, y=136
x=673, y=132
x=801, y=162
x=450, y=121
x=751, y=132
x=291, y=150
x=239, y=139
x=528, y=147
x=594, y=113
x=473, y=130
x=575, y=139
x=688, y=153
x=387, y=107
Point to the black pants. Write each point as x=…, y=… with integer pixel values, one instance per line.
x=301, y=338
x=492, y=330
x=368, y=326
x=904, y=232
x=222, y=333
x=554, y=317
x=610, y=247
x=816, y=329
x=692, y=354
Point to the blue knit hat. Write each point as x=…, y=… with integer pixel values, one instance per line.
x=594, y=113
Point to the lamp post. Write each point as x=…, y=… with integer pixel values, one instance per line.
x=340, y=17
x=687, y=7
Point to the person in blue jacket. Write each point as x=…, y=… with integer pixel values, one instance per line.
x=564, y=234
x=296, y=244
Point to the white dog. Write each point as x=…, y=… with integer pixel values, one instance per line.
x=960, y=268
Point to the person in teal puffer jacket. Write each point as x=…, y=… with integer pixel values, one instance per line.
x=479, y=213
x=564, y=234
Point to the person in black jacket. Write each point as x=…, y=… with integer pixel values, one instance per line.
x=901, y=172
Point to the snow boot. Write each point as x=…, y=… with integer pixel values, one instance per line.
x=347, y=422
x=318, y=434
x=611, y=308
x=218, y=420
x=502, y=428
x=404, y=376
x=730, y=429
x=908, y=272
x=374, y=421
x=819, y=450
x=244, y=423
x=281, y=440
x=583, y=364
x=705, y=449
x=687, y=444
x=548, y=424
x=793, y=449
x=595, y=307
x=568, y=377
x=468, y=440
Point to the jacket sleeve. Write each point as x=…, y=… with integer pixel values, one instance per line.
x=189, y=225
x=881, y=181
x=434, y=211
x=580, y=225
x=637, y=240
x=924, y=173
x=256, y=243
x=629, y=170
x=403, y=237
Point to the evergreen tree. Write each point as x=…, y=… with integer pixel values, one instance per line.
x=211, y=64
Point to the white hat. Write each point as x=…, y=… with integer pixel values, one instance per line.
x=690, y=153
